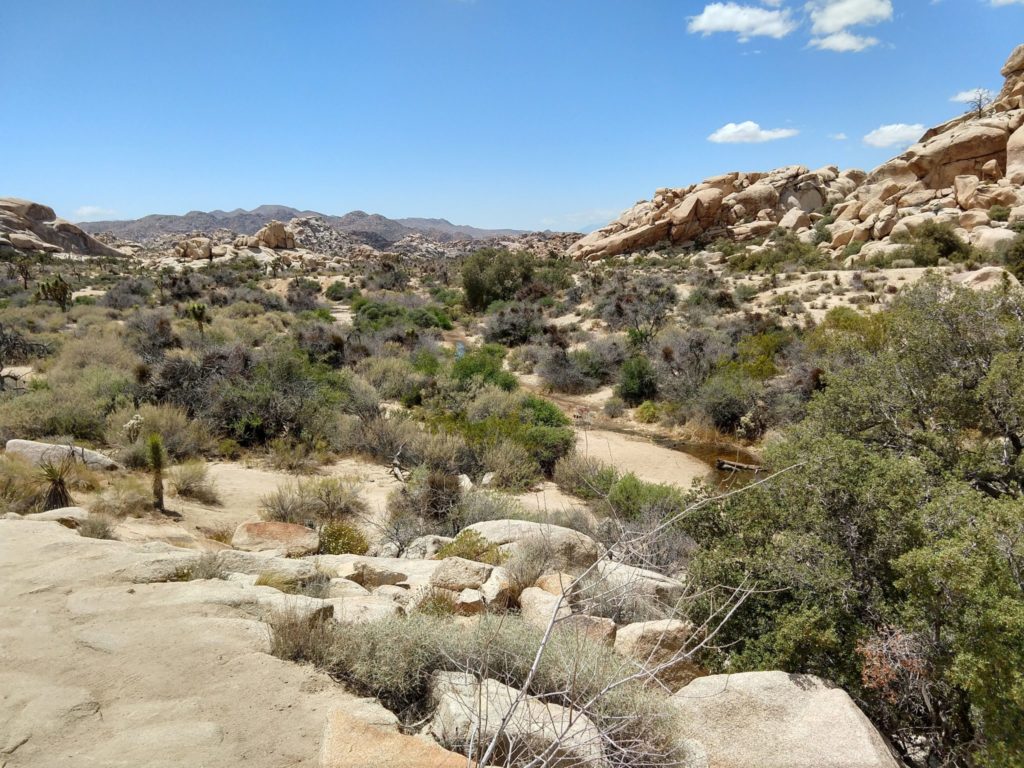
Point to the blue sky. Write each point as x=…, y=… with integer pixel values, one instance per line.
x=497, y=113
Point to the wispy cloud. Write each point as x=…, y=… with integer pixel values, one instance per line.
x=838, y=136
x=745, y=21
x=749, y=132
x=93, y=212
x=972, y=95
x=894, y=134
x=843, y=42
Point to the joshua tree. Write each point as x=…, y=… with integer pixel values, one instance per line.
x=156, y=463
x=56, y=290
x=199, y=314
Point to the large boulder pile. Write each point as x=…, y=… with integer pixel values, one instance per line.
x=956, y=173
x=740, y=205
x=273, y=235
x=31, y=227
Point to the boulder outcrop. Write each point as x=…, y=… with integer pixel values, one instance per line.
x=968, y=164
x=273, y=235
x=31, y=227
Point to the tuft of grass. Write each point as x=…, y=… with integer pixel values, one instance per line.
x=124, y=497
x=191, y=480
x=96, y=527
x=282, y=582
x=206, y=566
x=342, y=539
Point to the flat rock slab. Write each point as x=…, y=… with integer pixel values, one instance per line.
x=98, y=671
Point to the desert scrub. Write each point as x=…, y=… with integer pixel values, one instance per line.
x=585, y=477
x=96, y=527
x=646, y=412
x=124, y=497
x=512, y=466
x=342, y=539
x=206, y=566
x=19, y=487
x=128, y=429
x=54, y=476
x=470, y=545
x=393, y=659
x=192, y=481
x=320, y=500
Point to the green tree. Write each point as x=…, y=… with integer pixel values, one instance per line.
x=494, y=274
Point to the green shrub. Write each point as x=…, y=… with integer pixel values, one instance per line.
x=484, y=366
x=633, y=498
x=637, y=380
x=491, y=274
x=584, y=477
x=647, y=412
x=614, y=407
x=999, y=213
x=339, y=291
x=342, y=539
x=470, y=545
x=932, y=241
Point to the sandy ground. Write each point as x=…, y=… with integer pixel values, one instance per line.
x=241, y=487
x=96, y=671
x=645, y=459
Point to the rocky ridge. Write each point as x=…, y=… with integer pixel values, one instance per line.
x=956, y=173
x=29, y=227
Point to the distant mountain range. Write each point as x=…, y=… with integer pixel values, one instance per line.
x=372, y=228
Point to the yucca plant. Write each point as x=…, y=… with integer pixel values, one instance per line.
x=155, y=449
x=55, y=478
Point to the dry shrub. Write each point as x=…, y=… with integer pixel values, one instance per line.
x=96, y=527
x=290, y=456
x=513, y=466
x=206, y=566
x=19, y=489
x=124, y=497
x=321, y=500
x=296, y=635
x=531, y=559
x=192, y=481
x=584, y=477
x=183, y=436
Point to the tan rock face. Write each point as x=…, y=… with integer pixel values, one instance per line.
x=457, y=574
x=776, y=720
x=288, y=538
x=1015, y=157
x=349, y=741
x=659, y=646
x=31, y=226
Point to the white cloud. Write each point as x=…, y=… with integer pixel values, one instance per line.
x=838, y=136
x=843, y=42
x=894, y=134
x=746, y=21
x=92, y=213
x=749, y=132
x=831, y=16
x=968, y=97
x=998, y=3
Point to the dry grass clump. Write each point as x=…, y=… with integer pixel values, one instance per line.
x=206, y=566
x=321, y=500
x=192, y=480
x=584, y=477
x=19, y=491
x=511, y=464
x=470, y=545
x=96, y=527
x=124, y=497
